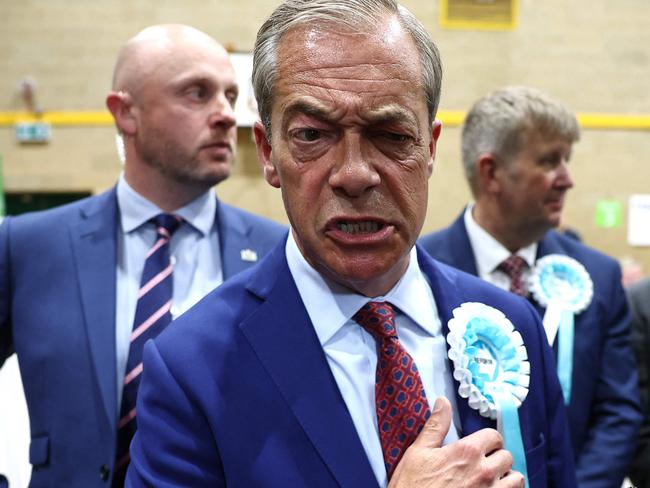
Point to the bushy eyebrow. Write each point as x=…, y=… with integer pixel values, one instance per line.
x=310, y=107
x=391, y=113
x=386, y=114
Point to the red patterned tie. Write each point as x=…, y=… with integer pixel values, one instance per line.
x=152, y=315
x=514, y=268
x=401, y=402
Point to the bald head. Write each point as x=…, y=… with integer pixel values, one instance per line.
x=153, y=48
x=173, y=100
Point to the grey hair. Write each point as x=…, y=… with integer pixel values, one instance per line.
x=350, y=14
x=500, y=123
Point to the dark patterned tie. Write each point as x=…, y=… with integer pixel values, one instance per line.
x=152, y=315
x=401, y=402
x=514, y=267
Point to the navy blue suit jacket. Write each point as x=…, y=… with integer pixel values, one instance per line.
x=604, y=413
x=238, y=391
x=57, y=312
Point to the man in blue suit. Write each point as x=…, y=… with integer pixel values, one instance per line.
x=69, y=277
x=516, y=146
x=317, y=367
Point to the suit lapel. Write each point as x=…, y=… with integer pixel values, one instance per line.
x=282, y=335
x=233, y=239
x=549, y=245
x=460, y=248
x=93, y=240
x=449, y=296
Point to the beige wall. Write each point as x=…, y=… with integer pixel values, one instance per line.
x=592, y=54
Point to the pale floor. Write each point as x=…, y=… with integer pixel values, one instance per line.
x=14, y=428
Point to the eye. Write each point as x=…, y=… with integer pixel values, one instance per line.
x=197, y=92
x=307, y=134
x=231, y=96
x=552, y=160
x=395, y=136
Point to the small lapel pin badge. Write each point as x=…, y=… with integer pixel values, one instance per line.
x=248, y=255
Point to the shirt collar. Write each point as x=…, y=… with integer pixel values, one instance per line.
x=330, y=305
x=135, y=210
x=489, y=252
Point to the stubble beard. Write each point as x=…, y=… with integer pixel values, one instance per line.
x=174, y=163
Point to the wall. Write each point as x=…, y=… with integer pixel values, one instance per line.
x=592, y=54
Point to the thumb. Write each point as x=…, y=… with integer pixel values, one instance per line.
x=436, y=428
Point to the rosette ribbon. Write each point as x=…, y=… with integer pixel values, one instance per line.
x=563, y=286
x=492, y=369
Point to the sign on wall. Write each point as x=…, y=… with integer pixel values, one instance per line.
x=246, y=106
x=479, y=14
x=638, y=225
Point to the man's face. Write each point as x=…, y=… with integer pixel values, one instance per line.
x=185, y=114
x=352, y=149
x=535, y=183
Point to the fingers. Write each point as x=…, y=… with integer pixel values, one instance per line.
x=477, y=460
x=436, y=428
x=485, y=440
x=498, y=465
x=512, y=479
x=484, y=461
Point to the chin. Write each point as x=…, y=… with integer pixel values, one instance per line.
x=554, y=221
x=368, y=277
x=215, y=176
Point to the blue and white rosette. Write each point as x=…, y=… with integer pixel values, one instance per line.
x=491, y=365
x=563, y=286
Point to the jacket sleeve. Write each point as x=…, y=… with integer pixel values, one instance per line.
x=639, y=300
x=615, y=417
x=6, y=341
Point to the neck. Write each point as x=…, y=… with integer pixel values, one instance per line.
x=166, y=193
x=508, y=234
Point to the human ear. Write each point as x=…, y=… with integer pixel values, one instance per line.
x=264, y=153
x=120, y=105
x=436, y=127
x=487, y=172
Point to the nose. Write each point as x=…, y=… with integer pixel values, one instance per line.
x=222, y=113
x=563, y=176
x=354, y=174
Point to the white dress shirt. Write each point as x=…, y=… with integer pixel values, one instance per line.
x=351, y=352
x=195, y=242
x=489, y=253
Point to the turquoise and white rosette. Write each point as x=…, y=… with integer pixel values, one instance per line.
x=563, y=286
x=491, y=365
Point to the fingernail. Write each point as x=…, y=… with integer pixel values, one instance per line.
x=437, y=406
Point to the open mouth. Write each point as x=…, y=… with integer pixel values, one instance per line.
x=363, y=227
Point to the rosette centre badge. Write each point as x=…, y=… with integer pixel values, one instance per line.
x=561, y=280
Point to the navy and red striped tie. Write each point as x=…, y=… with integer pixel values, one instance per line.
x=152, y=315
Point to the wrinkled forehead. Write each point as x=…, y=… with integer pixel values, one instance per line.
x=332, y=75
x=543, y=132
x=385, y=49
x=377, y=42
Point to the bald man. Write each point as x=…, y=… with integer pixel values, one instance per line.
x=73, y=300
